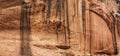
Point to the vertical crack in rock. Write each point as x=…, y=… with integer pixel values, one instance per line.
x=58, y=7
x=25, y=30
x=114, y=38
x=57, y=11
x=90, y=16
x=83, y=18
x=60, y=15
x=67, y=21
x=63, y=14
x=49, y=8
x=67, y=18
x=84, y=21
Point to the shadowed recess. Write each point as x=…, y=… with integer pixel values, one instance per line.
x=25, y=30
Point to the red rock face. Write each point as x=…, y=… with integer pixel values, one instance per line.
x=100, y=33
x=51, y=27
x=100, y=30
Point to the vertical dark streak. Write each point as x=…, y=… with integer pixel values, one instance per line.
x=90, y=33
x=60, y=13
x=84, y=21
x=63, y=10
x=63, y=4
x=57, y=11
x=57, y=7
x=83, y=18
x=114, y=36
x=49, y=9
x=25, y=30
x=90, y=18
x=65, y=33
x=21, y=26
x=43, y=11
x=67, y=17
x=57, y=32
x=60, y=9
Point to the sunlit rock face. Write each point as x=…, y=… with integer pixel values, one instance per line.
x=53, y=22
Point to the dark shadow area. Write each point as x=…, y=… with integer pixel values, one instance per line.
x=25, y=30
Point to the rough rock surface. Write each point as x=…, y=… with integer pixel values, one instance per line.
x=43, y=37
